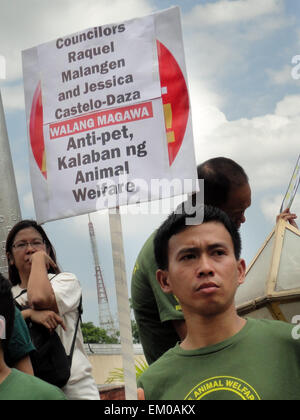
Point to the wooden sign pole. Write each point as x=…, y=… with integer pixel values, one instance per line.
x=123, y=304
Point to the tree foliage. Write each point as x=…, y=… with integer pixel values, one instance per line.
x=117, y=375
x=96, y=335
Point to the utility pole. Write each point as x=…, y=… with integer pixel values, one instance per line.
x=10, y=212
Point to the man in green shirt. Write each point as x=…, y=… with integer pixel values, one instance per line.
x=16, y=385
x=223, y=357
x=159, y=316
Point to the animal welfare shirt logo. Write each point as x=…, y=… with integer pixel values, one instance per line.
x=223, y=386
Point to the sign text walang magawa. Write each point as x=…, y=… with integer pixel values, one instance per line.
x=108, y=112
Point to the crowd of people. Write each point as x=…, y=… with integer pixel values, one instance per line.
x=183, y=289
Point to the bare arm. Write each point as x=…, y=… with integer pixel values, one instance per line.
x=49, y=319
x=39, y=291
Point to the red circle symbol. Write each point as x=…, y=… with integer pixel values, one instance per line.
x=175, y=101
x=36, y=131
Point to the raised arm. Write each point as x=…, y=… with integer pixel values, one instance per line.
x=40, y=292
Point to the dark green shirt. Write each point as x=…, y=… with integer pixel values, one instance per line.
x=20, y=344
x=261, y=362
x=153, y=309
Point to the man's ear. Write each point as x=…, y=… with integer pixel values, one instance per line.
x=162, y=277
x=241, y=271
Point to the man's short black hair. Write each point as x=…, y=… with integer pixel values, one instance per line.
x=7, y=311
x=176, y=223
x=220, y=175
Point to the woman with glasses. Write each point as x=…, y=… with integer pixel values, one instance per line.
x=52, y=298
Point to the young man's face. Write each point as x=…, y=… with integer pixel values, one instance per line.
x=203, y=272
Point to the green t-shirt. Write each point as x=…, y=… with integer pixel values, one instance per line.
x=21, y=387
x=20, y=344
x=153, y=309
x=261, y=362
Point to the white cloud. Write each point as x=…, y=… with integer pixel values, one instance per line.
x=228, y=11
x=272, y=203
x=263, y=27
x=282, y=76
x=24, y=24
x=289, y=106
x=267, y=146
x=220, y=37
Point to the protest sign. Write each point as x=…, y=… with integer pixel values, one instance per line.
x=292, y=188
x=107, y=113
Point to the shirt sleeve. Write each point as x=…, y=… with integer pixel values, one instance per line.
x=20, y=344
x=67, y=292
x=146, y=292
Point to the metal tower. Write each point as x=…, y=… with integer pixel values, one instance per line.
x=105, y=318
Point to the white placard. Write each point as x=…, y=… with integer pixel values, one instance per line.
x=108, y=113
x=91, y=70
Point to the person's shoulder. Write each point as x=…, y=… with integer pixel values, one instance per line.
x=20, y=329
x=273, y=327
x=146, y=259
x=20, y=344
x=36, y=388
x=148, y=246
x=64, y=278
x=16, y=290
x=65, y=275
x=270, y=323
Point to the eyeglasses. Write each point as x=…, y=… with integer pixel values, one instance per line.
x=36, y=243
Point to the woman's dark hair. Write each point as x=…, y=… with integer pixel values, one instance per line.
x=176, y=223
x=13, y=273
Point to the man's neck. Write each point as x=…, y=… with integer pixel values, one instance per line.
x=204, y=331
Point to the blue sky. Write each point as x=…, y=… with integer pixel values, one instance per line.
x=245, y=106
